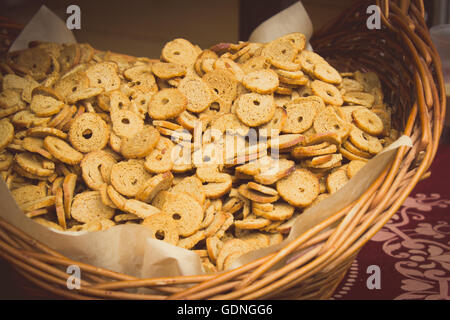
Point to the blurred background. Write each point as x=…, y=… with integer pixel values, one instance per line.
x=141, y=27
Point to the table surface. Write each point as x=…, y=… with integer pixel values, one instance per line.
x=409, y=258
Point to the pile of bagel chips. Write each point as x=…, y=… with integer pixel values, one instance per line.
x=216, y=150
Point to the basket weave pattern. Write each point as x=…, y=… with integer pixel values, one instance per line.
x=407, y=62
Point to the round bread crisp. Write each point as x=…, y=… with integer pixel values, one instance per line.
x=255, y=109
x=44, y=106
x=275, y=125
x=179, y=51
x=42, y=132
x=163, y=227
x=83, y=94
x=141, y=79
x=301, y=113
x=309, y=60
x=88, y=206
x=256, y=196
x=160, y=158
x=126, y=123
x=359, y=98
x=325, y=72
x=59, y=206
x=154, y=185
x=128, y=177
x=252, y=223
x=185, y=212
x=95, y=166
x=167, y=70
x=68, y=186
x=228, y=122
x=88, y=132
x=368, y=121
x=280, y=52
x=329, y=93
x=278, y=169
x=223, y=83
x=34, y=164
x=6, y=133
x=72, y=82
x=141, y=144
x=329, y=121
x=167, y=104
x=140, y=208
x=28, y=193
x=347, y=145
x=69, y=56
x=36, y=145
x=231, y=248
x=299, y=189
x=354, y=166
x=62, y=151
x=281, y=211
x=230, y=65
x=313, y=151
x=255, y=63
x=336, y=180
x=6, y=159
x=193, y=187
x=199, y=95
x=263, y=81
x=365, y=141
x=297, y=39
x=104, y=75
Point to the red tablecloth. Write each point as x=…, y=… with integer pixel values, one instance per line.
x=412, y=250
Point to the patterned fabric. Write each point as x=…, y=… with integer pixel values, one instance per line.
x=412, y=250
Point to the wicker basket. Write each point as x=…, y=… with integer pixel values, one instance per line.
x=410, y=69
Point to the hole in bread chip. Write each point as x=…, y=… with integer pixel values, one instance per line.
x=159, y=157
x=134, y=182
x=216, y=90
x=74, y=89
x=300, y=119
x=206, y=159
x=160, y=234
x=165, y=101
x=337, y=127
x=301, y=189
x=215, y=106
x=99, y=81
x=125, y=121
x=142, y=102
x=87, y=134
x=256, y=102
x=176, y=216
x=177, y=53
